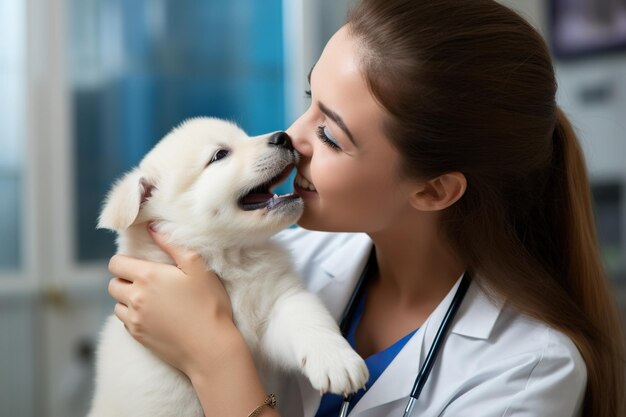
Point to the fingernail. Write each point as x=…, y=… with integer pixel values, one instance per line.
x=152, y=227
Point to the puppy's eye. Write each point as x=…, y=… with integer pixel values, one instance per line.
x=221, y=153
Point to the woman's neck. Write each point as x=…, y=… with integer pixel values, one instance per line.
x=416, y=265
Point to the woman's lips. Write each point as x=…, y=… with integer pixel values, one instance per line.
x=303, y=187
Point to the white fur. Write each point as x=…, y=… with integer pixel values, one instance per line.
x=196, y=205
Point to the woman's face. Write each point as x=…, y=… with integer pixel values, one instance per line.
x=347, y=161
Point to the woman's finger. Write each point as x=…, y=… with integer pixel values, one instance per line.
x=120, y=290
x=190, y=262
x=131, y=269
x=121, y=312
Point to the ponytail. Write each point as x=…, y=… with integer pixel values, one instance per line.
x=601, y=344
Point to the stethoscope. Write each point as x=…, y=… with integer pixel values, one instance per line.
x=424, y=370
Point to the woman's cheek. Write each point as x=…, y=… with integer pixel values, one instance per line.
x=327, y=176
x=345, y=193
x=330, y=175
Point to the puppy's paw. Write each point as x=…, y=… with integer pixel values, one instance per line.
x=332, y=366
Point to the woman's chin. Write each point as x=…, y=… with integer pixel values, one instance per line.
x=311, y=221
x=315, y=222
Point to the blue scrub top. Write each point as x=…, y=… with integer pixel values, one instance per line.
x=376, y=364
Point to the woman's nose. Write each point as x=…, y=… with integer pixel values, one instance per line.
x=299, y=139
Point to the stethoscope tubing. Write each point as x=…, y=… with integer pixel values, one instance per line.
x=435, y=347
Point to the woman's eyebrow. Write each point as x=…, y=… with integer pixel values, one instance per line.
x=334, y=116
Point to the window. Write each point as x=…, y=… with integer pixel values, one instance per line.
x=12, y=112
x=140, y=68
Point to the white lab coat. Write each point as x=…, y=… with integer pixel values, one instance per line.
x=495, y=361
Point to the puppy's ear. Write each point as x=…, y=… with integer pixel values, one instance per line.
x=124, y=201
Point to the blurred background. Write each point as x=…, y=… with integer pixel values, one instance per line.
x=88, y=86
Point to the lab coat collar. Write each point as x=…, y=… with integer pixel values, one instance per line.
x=476, y=318
x=346, y=265
x=348, y=261
x=341, y=273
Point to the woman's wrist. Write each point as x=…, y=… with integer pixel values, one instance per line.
x=208, y=353
x=228, y=384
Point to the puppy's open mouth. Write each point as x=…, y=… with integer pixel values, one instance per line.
x=261, y=196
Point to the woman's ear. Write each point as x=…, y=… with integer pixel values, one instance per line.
x=439, y=193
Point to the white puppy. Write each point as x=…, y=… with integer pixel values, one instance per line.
x=207, y=184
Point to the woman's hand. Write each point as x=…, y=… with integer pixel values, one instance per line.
x=181, y=313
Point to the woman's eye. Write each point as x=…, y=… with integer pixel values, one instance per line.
x=220, y=154
x=323, y=133
x=307, y=93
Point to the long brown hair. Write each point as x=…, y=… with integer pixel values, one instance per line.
x=469, y=86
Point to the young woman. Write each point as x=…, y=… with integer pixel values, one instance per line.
x=433, y=130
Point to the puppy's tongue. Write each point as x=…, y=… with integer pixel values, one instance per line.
x=257, y=198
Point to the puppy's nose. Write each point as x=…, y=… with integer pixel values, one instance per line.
x=280, y=139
